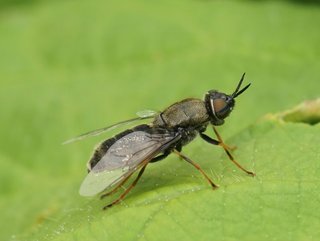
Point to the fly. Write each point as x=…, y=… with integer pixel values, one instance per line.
x=116, y=159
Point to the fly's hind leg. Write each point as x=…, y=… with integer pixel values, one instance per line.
x=116, y=187
x=132, y=185
x=155, y=159
x=159, y=158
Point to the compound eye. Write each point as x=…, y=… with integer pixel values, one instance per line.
x=219, y=104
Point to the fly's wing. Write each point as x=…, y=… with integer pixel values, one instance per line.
x=125, y=156
x=145, y=114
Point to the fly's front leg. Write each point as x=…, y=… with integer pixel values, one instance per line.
x=220, y=142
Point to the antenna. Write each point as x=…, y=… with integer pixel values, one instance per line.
x=237, y=92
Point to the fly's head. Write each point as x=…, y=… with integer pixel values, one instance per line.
x=219, y=105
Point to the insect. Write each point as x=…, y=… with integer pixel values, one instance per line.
x=116, y=159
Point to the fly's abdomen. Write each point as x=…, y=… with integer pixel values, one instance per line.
x=120, y=143
x=102, y=149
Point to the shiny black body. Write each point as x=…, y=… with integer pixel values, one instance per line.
x=186, y=118
x=169, y=131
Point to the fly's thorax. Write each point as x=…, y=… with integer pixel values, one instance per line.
x=186, y=113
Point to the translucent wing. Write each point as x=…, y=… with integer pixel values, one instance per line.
x=125, y=156
x=145, y=114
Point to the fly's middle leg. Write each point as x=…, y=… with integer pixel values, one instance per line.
x=187, y=159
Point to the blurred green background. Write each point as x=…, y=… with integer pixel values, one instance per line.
x=67, y=67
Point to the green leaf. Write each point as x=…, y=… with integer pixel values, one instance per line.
x=70, y=66
x=280, y=202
